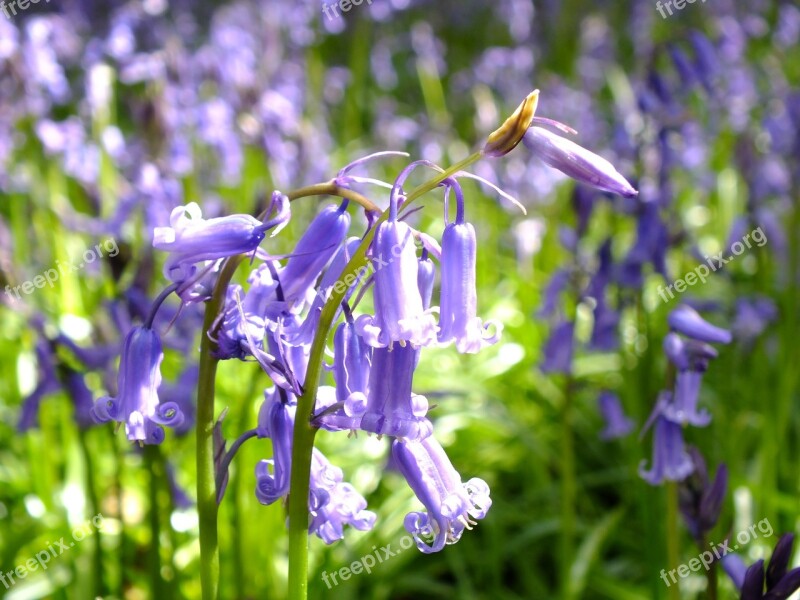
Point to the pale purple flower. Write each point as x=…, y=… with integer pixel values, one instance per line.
x=671, y=461
x=137, y=404
x=576, y=162
x=452, y=506
x=399, y=314
x=617, y=423
x=392, y=408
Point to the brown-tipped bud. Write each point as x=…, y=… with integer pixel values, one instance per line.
x=506, y=137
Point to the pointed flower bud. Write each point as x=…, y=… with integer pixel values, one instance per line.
x=576, y=162
x=687, y=321
x=137, y=404
x=451, y=505
x=316, y=248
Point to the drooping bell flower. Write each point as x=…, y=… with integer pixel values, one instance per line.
x=315, y=249
x=576, y=162
x=683, y=408
x=399, y=314
x=392, y=408
x=686, y=320
x=352, y=358
x=452, y=506
x=334, y=503
x=617, y=423
x=701, y=497
x=458, y=320
x=276, y=422
x=137, y=404
x=671, y=462
x=190, y=239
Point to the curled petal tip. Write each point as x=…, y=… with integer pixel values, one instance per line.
x=506, y=137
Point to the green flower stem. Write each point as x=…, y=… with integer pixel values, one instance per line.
x=568, y=487
x=98, y=584
x=303, y=443
x=673, y=543
x=304, y=432
x=206, y=489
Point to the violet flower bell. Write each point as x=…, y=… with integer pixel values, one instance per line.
x=671, y=462
x=276, y=421
x=452, y=506
x=392, y=408
x=137, y=404
x=618, y=425
x=352, y=358
x=458, y=320
x=576, y=162
x=399, y=313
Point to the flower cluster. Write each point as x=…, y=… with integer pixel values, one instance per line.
x=275, y=320
x=689, y=351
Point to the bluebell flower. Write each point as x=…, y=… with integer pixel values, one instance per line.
x=558, y=349
x=701, y=497
x=334, y=503
x=458, y=318
x=576, y=162
x=399, y=314
x=190, y=239
x=683, y=408
x=392, y=408
x=687, y=321
x=275, y=421
x=137, y=404
x=452, y=506
x=617, y=423
x=756, y=583
x=315, y=249
x=605, y=328
x=671, y=461
x=753, y=316
x=352, y=359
